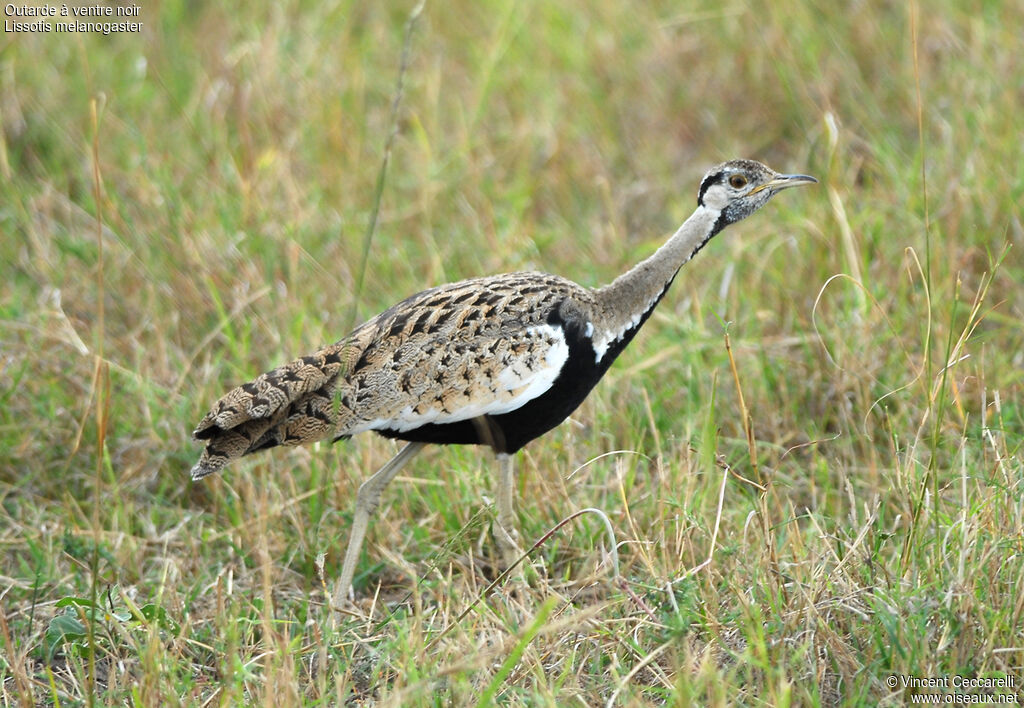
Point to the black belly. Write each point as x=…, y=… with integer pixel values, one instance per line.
x=510, y=431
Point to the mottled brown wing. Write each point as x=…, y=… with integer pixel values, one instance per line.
x=481, y=346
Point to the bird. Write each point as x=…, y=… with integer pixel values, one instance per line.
x=494, y=361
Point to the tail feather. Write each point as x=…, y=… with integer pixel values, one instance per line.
x=203, y=469
x=290, y=405
x=227, y=445
x=268, y=393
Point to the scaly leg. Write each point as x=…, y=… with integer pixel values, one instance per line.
x=506, y=533
x=367, y=500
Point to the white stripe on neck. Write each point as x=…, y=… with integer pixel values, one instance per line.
x=606, y=339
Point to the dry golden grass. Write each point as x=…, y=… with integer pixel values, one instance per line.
x=850, y=470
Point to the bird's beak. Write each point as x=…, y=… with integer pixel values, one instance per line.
x=785, y=181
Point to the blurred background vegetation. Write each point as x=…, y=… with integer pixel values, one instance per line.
x=183, y=208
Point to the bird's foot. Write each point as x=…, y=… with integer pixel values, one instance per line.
x=508, y=544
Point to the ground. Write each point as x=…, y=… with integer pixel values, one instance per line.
x=809, y=460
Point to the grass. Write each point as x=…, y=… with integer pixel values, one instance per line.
x=185, y=208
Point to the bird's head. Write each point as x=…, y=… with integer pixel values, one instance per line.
x=738, y=188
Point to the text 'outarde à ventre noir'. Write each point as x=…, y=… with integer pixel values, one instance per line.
x=70, y=18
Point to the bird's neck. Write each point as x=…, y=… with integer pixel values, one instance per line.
x=625, y=303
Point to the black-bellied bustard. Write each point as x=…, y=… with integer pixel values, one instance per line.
x=494, y=361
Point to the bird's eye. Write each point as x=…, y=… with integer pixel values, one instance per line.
x=737, y=181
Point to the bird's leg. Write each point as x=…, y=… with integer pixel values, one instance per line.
x=506, y=533
x=367, y=500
